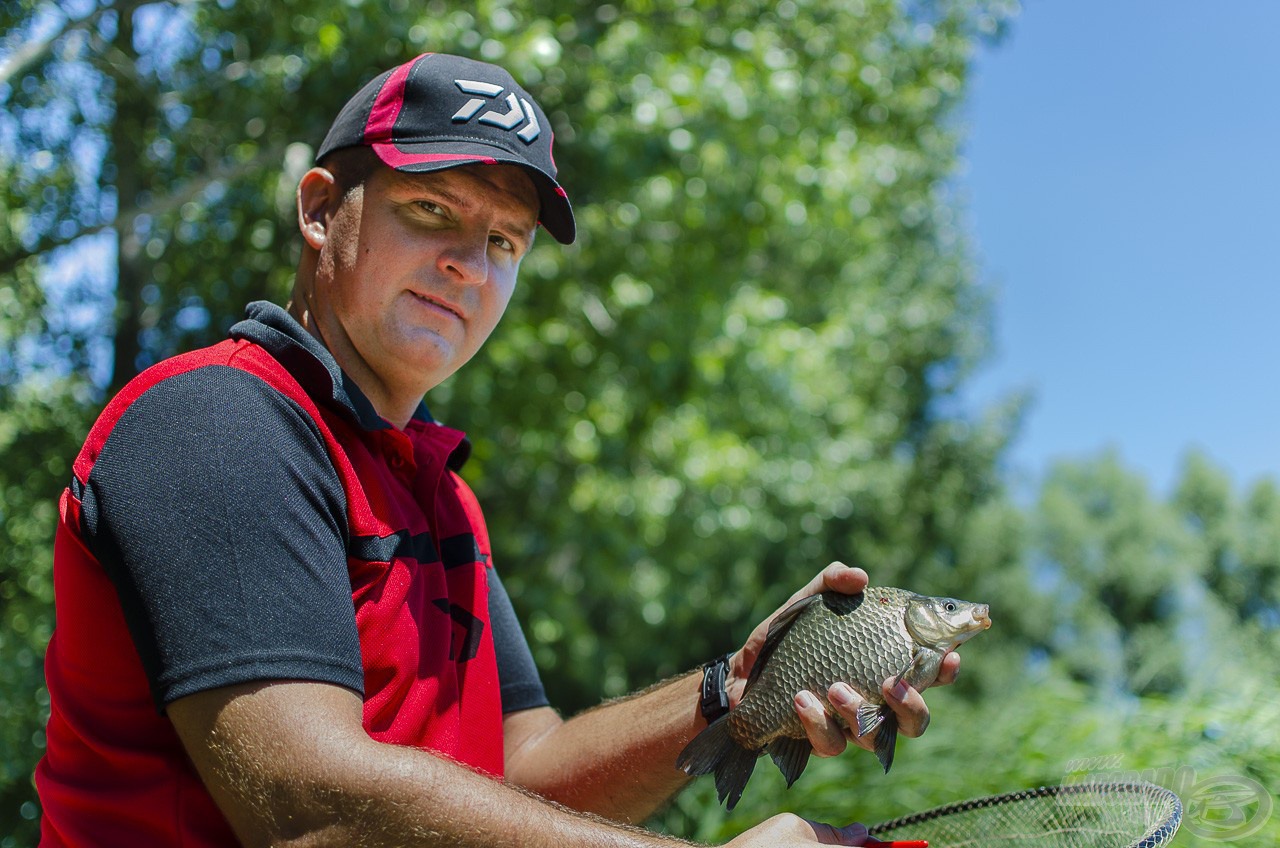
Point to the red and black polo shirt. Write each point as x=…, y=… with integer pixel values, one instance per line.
x=241, y=513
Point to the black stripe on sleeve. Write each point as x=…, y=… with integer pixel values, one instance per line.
x=454, y=551
x=461, y=550
x=402, y=543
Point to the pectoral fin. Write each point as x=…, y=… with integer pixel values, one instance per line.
x=918, y=659
x=923, y=669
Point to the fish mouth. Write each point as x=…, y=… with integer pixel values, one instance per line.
x=982, y=617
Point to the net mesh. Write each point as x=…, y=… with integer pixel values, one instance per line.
x=1084, y=815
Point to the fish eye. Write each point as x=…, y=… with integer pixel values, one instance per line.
x=949, y=606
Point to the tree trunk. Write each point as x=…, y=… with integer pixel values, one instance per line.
x=128, y=130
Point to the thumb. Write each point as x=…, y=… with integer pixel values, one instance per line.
x=829, y=834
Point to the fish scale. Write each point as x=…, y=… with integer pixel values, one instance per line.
x=815, y=655
x=861, y=639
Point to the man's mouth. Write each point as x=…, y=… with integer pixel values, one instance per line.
x=439, y=304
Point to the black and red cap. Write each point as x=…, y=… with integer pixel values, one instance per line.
x=440, y=111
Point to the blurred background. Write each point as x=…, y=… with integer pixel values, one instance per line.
x=973, y=295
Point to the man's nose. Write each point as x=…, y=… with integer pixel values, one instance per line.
x=466, y=258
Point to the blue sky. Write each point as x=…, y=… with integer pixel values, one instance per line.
x=1123, y=192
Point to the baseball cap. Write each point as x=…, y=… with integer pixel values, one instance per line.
x=439, y=111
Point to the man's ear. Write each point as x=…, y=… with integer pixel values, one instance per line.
x=318, y=199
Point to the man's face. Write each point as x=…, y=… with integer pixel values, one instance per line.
x=416, y=269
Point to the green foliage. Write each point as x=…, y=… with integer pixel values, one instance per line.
x=746, y=366
x=40, y=433
x=742, y=370
x=1239, y=551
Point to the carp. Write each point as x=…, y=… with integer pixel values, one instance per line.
x=860, y=639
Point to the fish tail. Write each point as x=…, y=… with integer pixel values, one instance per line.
x=714, y=750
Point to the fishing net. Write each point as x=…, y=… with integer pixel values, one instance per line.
x=1083, y=815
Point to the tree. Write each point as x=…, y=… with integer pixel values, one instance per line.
x=743, y=368
x=1240, y=541
x=1117, y=560
x=746, y=366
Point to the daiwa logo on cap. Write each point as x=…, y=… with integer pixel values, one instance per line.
x=508, y=120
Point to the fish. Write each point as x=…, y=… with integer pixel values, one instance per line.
x=861, y=639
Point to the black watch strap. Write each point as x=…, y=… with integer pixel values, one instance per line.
x=715, y=698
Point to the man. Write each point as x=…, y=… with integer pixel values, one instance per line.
x=278, y=621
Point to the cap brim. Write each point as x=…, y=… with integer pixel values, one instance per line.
x=556, y=215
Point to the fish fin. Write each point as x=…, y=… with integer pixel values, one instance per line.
x=705, y=751
x=887, y=740
x=917, y=657
x=870, y=717
x=790, y=756
x=777, y=628
x=733, y=773
x=714, y=750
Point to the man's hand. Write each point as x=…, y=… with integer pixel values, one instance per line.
x=825, y=733
x=787, y=829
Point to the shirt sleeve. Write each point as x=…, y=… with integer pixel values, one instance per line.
x=216, y=512
x=521, y=685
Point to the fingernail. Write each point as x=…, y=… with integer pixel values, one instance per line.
x=806, y=701
x=841, y=695
x=900, y=691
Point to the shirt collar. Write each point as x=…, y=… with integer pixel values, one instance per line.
x=279, y=333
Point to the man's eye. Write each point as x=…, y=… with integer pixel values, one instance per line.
x=502, y=242
x=433, y=208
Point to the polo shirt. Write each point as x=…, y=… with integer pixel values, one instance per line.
x=241, y=513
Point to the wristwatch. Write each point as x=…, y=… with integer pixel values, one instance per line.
x=715, y=698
